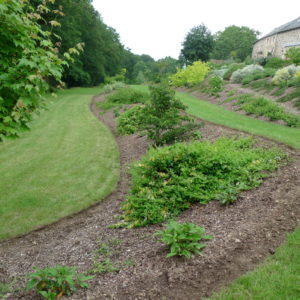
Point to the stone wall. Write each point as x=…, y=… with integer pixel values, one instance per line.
x=277, y=44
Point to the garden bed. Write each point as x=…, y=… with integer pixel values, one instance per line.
x=244, y=234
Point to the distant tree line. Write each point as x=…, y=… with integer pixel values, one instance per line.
x=233, y=42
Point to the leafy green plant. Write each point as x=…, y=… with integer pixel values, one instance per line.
x=232, y=68
x=238, y=75
x=294, y=55
x=183, y=238
x=168, y=180
x=216, y=85
x=28, y=61
x=55, y=282
x=129, y=121
x=191, y=75
x=162, y=120
x=261, y=106
x=105, y=266
x=127, y=96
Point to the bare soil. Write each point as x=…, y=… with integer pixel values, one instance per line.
x=245, y=233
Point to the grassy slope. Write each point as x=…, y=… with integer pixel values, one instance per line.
x=279, y=277
x=65, y=163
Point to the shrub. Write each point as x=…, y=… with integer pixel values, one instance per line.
x=294, y=55
x=129, y=121
x=128, y=96
x=168, y=180
x=53, y=283
x=216, y=85
x=238, y=75
x=162, y=120
x=183, y=238
x=191, y=75
x=282, y=76
x=232, y=68
x=275, y=63
x=220, y=72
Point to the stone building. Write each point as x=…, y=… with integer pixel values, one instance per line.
x=278, y=41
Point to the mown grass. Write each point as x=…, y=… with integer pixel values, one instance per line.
x=278, y=278
x=66, y=162
x=219, y=115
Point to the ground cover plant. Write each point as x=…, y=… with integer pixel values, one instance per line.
x=66, y=162
x=168, y=180
x=55, y=282
x=291, y=96
x=276, y=278
x=129, y=121
x=183, y=238
x=260, y=106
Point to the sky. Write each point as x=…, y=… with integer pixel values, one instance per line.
x=158, y=27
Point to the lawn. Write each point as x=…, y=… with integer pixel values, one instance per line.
x=66, y=162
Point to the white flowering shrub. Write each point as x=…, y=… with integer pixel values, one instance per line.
x=220, y=72
x=285, y=74
x=240, y=74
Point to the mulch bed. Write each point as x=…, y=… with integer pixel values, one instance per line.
x=245, y=233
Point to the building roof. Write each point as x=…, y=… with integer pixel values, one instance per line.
x=286, y=27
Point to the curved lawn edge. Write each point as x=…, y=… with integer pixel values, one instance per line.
x=67, y=161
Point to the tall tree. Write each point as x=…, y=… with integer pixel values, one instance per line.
x=197, y=45
x=234, y=41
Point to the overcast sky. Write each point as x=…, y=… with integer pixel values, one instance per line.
x=158, y=27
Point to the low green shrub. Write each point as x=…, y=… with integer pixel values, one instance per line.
x=282, y=76
x=275, y=63
x=232, y=68
x=238, y=75
x=191, y=75
x=291, y=96
x=53, y=283
x=216, y=85
x=261, y=85
x=261, y=106
x=293, y=55
x=183, y=238
x=168, y=180
x=129, y=121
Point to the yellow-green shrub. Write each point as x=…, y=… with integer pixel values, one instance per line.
x=191, y=75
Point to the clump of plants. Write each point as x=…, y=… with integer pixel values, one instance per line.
x=168, y=180
x=284, y=75
x=122, y=97
x=183, y=238
x=109, y=88
x=232, y=68
x=259, y=74
x=294, y=55
x=191, y=75
x=240, y=74
x=129, y=121
x=261, y=106
x=55, y=282
x=275, y=63
x=216, y=85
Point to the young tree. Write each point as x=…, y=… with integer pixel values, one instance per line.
x=197, y=45
x=234, y=41
x=162, y=119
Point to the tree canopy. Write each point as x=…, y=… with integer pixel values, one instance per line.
x=197, y=45
x=235, y=42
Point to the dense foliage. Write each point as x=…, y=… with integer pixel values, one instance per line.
x=191, y=75
x=28, y=61
x=238, y=75
x=235, y=42
x=161, y=119
x=183, y=238
x=197, y=45
x=168, y=180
